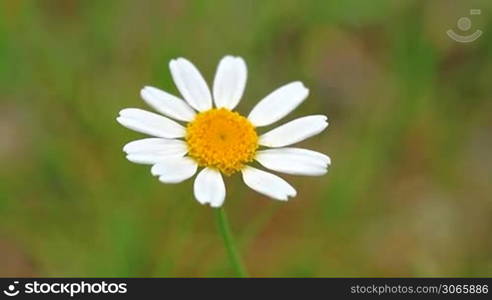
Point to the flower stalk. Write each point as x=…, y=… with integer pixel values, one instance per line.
x=229, y=243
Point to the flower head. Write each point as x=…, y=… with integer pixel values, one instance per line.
x=220, y=140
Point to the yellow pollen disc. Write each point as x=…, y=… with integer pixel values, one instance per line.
x=221, y=139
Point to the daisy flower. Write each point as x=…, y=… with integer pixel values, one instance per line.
x=220, y=140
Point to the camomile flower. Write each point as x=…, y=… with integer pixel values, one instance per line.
x=218, y=140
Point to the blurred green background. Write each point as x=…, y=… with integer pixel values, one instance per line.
x=410, y=137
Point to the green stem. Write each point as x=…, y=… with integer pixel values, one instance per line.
x=225, y=232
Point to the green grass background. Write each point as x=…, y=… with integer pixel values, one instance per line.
x=410, y=137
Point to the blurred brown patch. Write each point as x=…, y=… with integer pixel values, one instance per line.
x=14, y=262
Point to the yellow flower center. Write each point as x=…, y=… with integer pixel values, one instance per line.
x=221, y=139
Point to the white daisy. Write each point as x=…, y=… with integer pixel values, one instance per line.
x=220, y=140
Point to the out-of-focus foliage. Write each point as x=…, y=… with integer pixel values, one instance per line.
x=410, y=136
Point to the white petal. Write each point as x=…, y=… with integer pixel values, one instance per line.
x=278, y=104
x=150, y=123
x=151, y=158
x=191, y=84
x=294, y=131
x=294, y=161
x=167, y=104
x=268, y=184
x=229, y=82
x=155, y=145
x=174, y=169
x=154, y=150
x=209, y=187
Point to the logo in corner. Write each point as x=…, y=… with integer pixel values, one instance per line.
x=11, y=290
x=465, y=24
